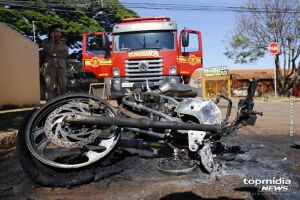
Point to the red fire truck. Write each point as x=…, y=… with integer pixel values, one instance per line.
x=143, y=52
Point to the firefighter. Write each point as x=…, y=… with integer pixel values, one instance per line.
x=55, y=51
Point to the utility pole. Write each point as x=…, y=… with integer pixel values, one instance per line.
x=275, y=77
x=33, y=30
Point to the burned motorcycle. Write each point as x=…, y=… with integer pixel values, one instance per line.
x=68, y=139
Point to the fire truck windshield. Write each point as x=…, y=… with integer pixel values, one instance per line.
x=144, y=40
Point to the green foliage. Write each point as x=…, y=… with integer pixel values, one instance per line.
x=112, y=13
x=243, y=50
x=75, y=16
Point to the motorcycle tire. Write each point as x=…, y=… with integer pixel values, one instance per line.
x=48, y=175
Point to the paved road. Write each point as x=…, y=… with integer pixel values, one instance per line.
x=267, y=153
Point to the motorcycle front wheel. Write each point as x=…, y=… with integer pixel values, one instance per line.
x=54, y=153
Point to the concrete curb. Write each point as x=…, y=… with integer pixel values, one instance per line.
x=17, y=110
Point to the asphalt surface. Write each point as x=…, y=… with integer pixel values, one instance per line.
x=267, y=152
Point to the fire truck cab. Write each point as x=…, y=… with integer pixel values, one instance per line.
x=142, y=52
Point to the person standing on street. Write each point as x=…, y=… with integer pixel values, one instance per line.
x=55, y=51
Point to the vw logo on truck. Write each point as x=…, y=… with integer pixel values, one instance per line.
x=143, y=65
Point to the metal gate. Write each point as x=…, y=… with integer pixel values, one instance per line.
x=216, y=85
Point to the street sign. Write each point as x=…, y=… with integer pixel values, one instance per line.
x=216, y=71
x=274, y=48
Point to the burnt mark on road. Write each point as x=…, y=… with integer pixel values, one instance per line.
x=136, y=175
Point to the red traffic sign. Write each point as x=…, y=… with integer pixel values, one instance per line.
x=274, y=48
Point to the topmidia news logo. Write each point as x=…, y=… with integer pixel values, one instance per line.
x=274, y=185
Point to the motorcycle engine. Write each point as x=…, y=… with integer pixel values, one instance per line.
x=151, y=100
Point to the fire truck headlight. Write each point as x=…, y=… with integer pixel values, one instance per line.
x=173, y=70
x=116, y=72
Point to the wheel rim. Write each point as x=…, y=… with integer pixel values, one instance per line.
x=71, y=154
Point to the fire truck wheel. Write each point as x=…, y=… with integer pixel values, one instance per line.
x=47, y=174
x=186, y=80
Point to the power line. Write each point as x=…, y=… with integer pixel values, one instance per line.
x=203, y=8
x=153, y=6
x=52, y=8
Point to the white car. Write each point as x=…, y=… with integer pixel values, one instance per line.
x=243, y=92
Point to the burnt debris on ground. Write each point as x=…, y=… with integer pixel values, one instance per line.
x=259, y=157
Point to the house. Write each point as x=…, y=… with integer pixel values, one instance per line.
x=213, y=85
x=240, y=78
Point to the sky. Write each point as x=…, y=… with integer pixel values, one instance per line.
x=215, y=26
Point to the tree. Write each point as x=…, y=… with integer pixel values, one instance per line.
x=263, y=22
x=75, y=16
x=111, y=13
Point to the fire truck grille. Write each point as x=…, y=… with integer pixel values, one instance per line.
x=140, y=70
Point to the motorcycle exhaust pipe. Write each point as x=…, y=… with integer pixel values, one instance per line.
x=137, y=123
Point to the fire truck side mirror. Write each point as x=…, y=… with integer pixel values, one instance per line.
x=185, y=39
x=105, y=43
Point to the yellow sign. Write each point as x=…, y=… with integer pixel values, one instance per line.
x=216, y=71
x=96, y=62
x=143, y=53
x=192, y=59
